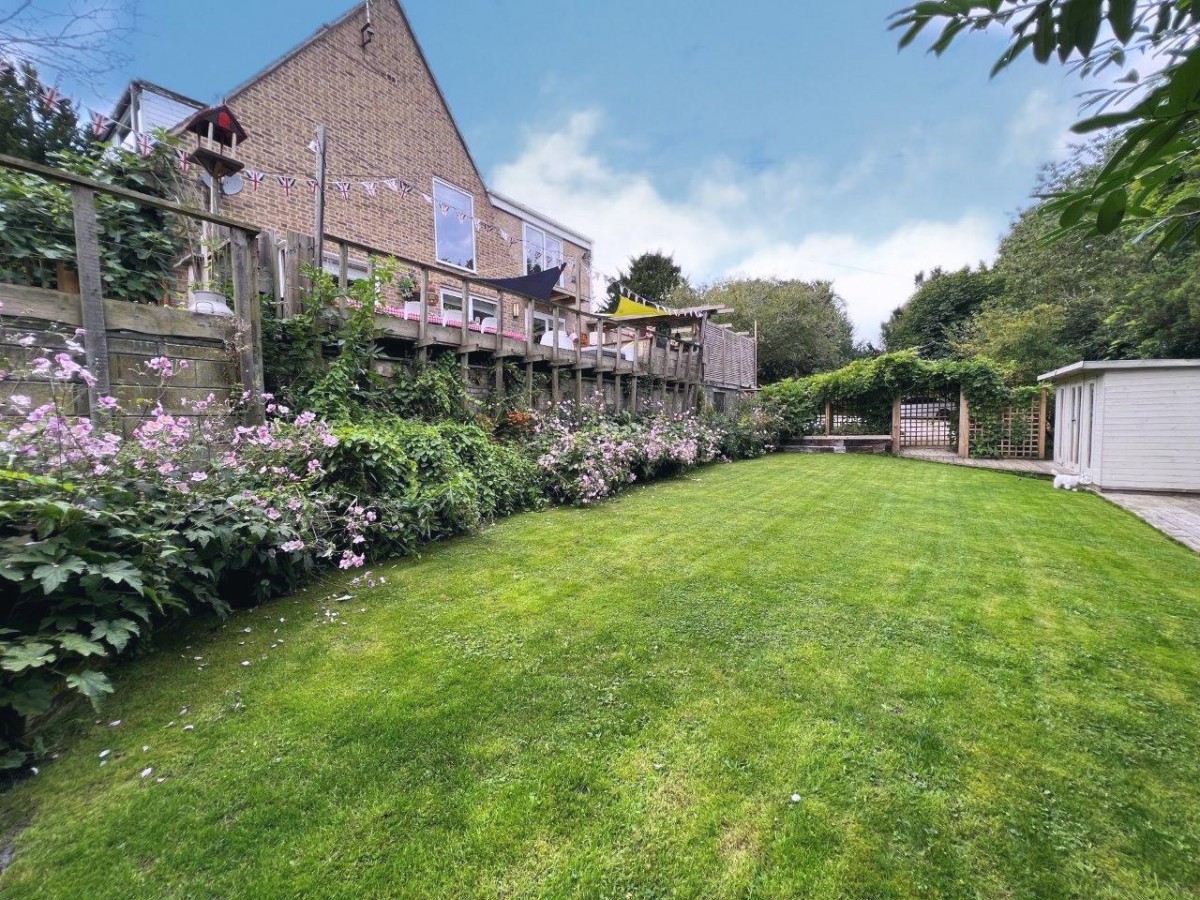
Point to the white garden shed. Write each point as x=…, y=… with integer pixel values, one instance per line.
x=1129, y=424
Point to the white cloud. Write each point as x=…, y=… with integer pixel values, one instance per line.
x=876, y=276
x=730, y=222
x=1040, y=131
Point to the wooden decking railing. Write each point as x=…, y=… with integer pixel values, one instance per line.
x=553, y=337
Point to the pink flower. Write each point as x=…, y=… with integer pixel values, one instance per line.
x=199, y=476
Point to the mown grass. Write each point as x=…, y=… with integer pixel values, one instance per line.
x=977, y=686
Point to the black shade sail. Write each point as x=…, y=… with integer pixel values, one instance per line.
x=536, y=286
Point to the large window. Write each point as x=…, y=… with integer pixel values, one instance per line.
x=542, y=251
x=454, y=225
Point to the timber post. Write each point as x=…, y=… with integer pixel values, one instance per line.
x=91, y=295
x=249, y=327
x=964, y=425
x=896, y=423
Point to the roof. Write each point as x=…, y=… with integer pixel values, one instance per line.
x=140, y=84
x=533, y=217
x=1117, y=365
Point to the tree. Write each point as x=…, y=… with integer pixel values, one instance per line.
x=802, y=326
x=1085, y=295
x=941, y=303
x=34, y=126
x=78, y=39
x=1158, y=116
x=651, y=275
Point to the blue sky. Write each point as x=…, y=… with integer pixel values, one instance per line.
x=766, y=138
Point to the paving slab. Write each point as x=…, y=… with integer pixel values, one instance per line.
x=1177, y=515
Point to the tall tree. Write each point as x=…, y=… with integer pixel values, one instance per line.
x=1158, y=116
x=651, y=275
x=940, y=304
x=1086, y=295
x=34, y=124
x=802, y=326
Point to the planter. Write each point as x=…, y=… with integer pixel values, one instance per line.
x=212, y=303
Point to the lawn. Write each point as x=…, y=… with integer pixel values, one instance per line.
x=801, y=676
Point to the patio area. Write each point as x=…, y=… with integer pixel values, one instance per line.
x=1177, y=515
x=1020, y=466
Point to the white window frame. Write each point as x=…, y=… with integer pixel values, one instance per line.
x=437, y=214
x=544, y=318
x=456, y=296
x=545, y=236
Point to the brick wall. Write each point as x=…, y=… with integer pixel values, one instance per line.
x=384, y=116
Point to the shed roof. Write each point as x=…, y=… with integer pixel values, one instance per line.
x=1117, y=365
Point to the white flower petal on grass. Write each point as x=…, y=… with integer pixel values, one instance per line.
x=147, y=772
x=795, y=798
x=145, y=748
x=245, y=662
x=104, y=753
x=114, y=723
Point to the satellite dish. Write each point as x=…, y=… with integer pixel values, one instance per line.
x=206, y=179
x=232, y=184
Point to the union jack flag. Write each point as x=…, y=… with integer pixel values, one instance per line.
x=313, y=185
x=99, y=124
x=181, y=157
x=391, y=184
x=444, y=208
x=287, y=182
x=462, y=217
x=145, y=144
x=343, y=189
x=368, y=188
x=51, y=97
x=406, y=188
x=255, y=178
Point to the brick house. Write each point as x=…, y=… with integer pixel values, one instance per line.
x=365, y=78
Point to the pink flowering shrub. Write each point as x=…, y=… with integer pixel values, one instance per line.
x=585, y=455
x=108, y=522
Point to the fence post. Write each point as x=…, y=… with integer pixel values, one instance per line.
x=249, y=329
x=91, y=293
x=964, y=425
x=828, y=418
x=1041, y=444
x=896, y=426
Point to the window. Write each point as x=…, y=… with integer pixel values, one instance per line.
x=718, y=399
x=454, y=225
x=541, y=324
x=481, y=308
x=542, y=251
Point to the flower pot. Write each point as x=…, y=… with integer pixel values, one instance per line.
x=212, y=303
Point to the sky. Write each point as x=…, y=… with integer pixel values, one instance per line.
x=768, y=138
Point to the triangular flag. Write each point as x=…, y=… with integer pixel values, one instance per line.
x=99, y=124
x=287, y=182
x=368, y=188
x=343, y=189
x=390, y=184
x=181, y=157
x=256, y=178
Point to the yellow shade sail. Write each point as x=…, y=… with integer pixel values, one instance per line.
x=627, y=308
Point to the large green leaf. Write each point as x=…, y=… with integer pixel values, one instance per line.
x=117, y=632
x=77, y=643
x=52, y=576
x=91, y=684
x=30, y=655
x=1112, y=211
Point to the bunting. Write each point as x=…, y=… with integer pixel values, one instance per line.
x=181, y=157
x=255, y=178
x=287, y=182
x=343, y=188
